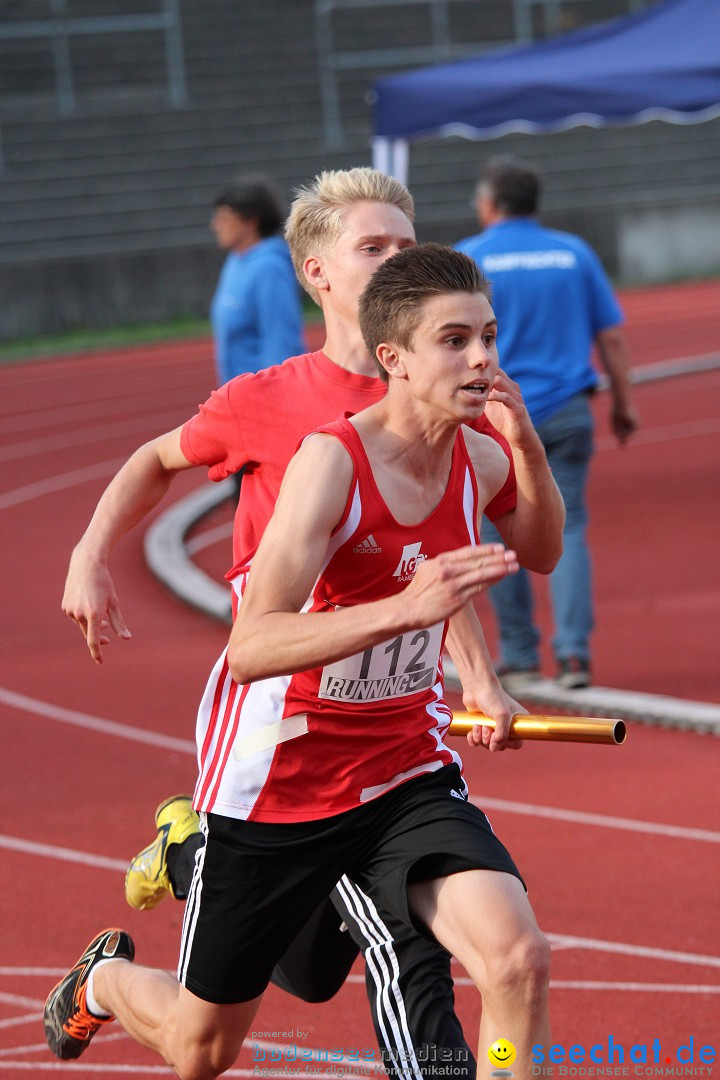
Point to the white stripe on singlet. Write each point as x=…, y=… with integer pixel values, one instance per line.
x=383, y=966
x=344, y=532
x=369, y=793
x=470, y=508
x=292, y=727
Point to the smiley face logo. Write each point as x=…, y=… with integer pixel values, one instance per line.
x=502, y=1053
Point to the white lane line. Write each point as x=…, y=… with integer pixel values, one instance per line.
x=60, y=482
x=644, y=437
x=249, y=1043
x=555, y=984
x=95, y=723
x=579, y=817
x=663, y=369
x=156, y=423
x=18, y=1021
x=595, y=984
x=85, y=388
x=101, y=1038
x=18, y=999
x=91, y=1067
x=7, y=970
x=51, y=851
x=23, y=423
x=569, y=941
x=617, y=987
x=682, y=365
x=318, y=1055
x=557, y=942
x=642, y=988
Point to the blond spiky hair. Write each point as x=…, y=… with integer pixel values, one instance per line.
x=316, y=216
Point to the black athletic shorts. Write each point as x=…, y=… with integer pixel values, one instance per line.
x=257, y=884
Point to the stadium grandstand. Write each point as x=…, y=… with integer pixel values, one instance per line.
x=120, y=118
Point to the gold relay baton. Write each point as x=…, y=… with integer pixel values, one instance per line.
x=585, y=729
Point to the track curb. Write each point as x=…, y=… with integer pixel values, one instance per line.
x=168, y=558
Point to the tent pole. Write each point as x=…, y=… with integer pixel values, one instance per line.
x=391, y=156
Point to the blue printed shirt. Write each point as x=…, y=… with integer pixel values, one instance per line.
x=256, y=313
x=551, y=297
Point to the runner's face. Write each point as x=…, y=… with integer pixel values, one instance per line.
x=371, y=233
x=453, y=360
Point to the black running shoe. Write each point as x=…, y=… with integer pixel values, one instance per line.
x=69, y=1026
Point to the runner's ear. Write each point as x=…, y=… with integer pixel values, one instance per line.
x=389, y=357
x=314, y=272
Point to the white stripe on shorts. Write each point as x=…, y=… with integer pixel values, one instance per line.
x=192, y=907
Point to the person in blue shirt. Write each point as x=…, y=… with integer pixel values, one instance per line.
x=256, y=313
x=553, y=303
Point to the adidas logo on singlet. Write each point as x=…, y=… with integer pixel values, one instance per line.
x=369, y=546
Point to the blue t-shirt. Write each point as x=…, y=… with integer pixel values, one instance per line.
x=551, y=297
x=256, y=313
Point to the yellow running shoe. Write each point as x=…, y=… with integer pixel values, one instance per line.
x=147, y=881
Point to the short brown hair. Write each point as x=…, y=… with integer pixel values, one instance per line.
x=316, y=215
x=391, y=304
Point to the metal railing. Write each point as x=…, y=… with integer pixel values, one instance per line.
x=440, y=48
x=59, y=28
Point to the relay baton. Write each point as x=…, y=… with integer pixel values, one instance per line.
x=586, y=729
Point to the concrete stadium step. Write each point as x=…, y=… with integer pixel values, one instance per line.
x=268, y=143
x=51, y=135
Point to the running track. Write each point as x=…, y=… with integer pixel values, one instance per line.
x=619, y=846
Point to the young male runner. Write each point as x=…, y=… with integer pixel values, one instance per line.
x=340, y=229
x=348, y=772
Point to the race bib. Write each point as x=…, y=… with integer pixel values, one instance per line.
x=392, y=669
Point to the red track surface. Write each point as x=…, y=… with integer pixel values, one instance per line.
x=642, y=899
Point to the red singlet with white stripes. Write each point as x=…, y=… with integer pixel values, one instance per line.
x=314, y=744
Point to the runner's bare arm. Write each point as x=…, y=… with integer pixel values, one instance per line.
x=482, y=691
x=534, y=528
x=90, y=599
x=481, y=687
x=270, y=637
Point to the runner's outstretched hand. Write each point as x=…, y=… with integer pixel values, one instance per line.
x=91, y=602
x=441, y=586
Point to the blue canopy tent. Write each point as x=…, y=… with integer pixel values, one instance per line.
x=663, y=63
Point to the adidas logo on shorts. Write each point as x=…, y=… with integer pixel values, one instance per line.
x=369, y=546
